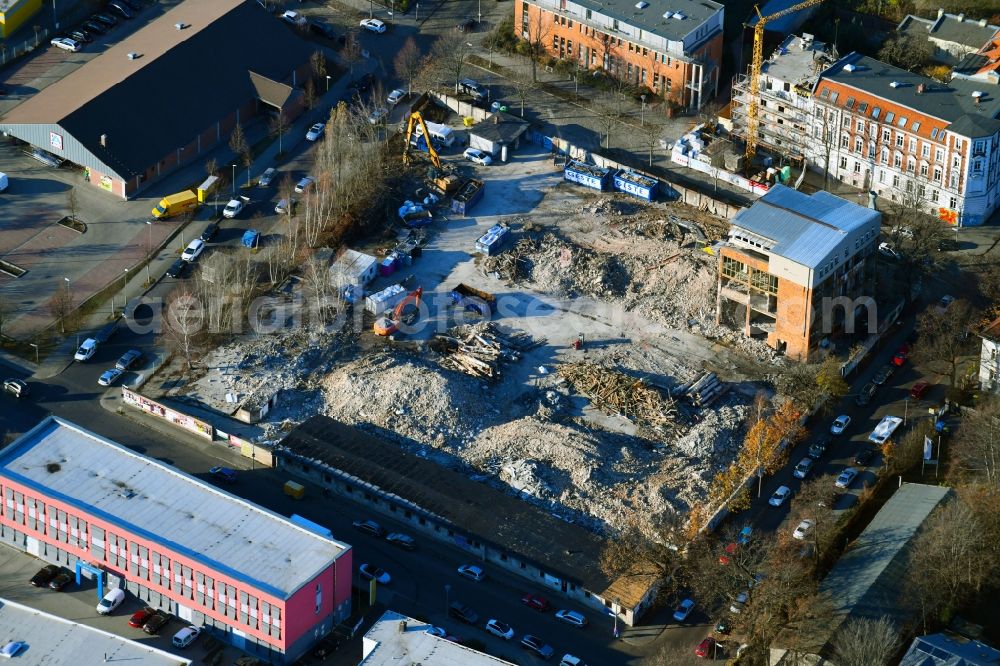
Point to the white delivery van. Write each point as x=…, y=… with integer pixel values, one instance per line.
x=3, y=181
x=442, y=133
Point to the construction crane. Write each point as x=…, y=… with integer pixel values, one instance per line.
x=755, y=66
x=416, y=118
x=388, y=325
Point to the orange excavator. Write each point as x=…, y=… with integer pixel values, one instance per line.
x=390, y=324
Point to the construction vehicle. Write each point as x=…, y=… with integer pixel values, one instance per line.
x=756, y=63
x=390, y=324
x=414, y=120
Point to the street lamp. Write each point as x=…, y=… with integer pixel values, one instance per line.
x=328, y=83
x=416, y=14
x=371, y=8
x=447, y=598
x=615, y=609
x=124, y=288
x=234, y=181
x=32, y=344
x=642, y=111
x=149, y=249
x=480, y=20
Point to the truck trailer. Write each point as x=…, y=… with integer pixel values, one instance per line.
x=175, y=204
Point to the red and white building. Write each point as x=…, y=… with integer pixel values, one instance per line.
x=672, y=48
x=250, y=577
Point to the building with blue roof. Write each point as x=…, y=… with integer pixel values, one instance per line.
x=798, y=269
x=948, y=649
x=247, y=575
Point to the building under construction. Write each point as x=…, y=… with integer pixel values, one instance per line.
x=786, y=82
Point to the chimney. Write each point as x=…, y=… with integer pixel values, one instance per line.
x=871, y=200
x=961, y=17
x=940, y=12
x=921, y=88
x=982, y=23
x=402, y=626
x=104, y=141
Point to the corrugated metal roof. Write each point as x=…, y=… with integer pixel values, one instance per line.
x=55, y=641
x=158, y=502
x=387, y=645
x=949, y=650
x=803, y=228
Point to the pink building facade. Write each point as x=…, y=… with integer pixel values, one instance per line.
x=274, y=623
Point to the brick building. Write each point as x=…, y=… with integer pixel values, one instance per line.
x=799, y=269
x=247, y=576
x=911, y=138
x=191, y=75
x=672, y=48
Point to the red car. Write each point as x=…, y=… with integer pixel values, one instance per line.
x=919, y=390
x=706, y=648
x=535, y=601
x=140, y=616
x=901, y=355
x=728, y=553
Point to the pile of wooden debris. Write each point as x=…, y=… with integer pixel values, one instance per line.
x=479, y=350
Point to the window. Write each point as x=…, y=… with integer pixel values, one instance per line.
x=876, y=112
x=871, y=151
x=588, y=13
x=863, y=107
x=958, y=144
x=911, y=165
x=857, y=166
x=897, y=160
x=925, y=151
x=857, y=145
x=956, y=161
x=934, y=196
x=913, y=145
x=860, y=126
x=834, y=96
x=843, y=162
x=937, y=174
x=886, y=135
x=850, y=103
x=952, y=203
x=881, y=176
x=953, y=183
x=934, y=133
x=889, y=116
x=895, y=180
x=915, y=126
x=844, y=141
x=847, y=122
x=923, y=169
x=902, y=121
x=569, y=48
x=614, y=26
x=899, y=140
x=938, y=155
x=824, y=95
x=885, y=155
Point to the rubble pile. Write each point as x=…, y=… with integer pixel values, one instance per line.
x=478, y=350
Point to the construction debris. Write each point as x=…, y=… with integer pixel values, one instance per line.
x=478, y=350
x=618, y=393
x=705, y=390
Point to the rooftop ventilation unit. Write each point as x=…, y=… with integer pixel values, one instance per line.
x=850, y=67
x=895, y=84
x=133, y=55
x=180, y=26
x=642, y=4
x=977, y=94
x=678, y=16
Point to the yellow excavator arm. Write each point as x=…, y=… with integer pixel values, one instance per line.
x=416, y=118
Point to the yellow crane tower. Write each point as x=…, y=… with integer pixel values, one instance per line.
x=755, y=65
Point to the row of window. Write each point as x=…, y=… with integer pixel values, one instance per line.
x=140, y=562
x=618, y=42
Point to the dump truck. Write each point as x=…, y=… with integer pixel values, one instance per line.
x=175, y=204
x=474, y=300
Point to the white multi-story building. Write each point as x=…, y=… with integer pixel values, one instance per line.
x=989, y=357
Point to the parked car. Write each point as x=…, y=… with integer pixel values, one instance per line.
x=158, y=620
x=840, y=424
x=864, y=456
x=945, y=301
x=780, y=495
x=315, y=132
x=369, y=527
x=128, y=359
x=94, y=27
x=901, y=355
x=81, y=36
x=373, y=24
x=888, y=251
x=45, y=575
x=304, y=184
x=323, y=29
x=739, y=602
x=404, y=541
x=395, y=97
x=110, y=376
x=120, y=9
x=537, y=645
x=743, y=538
x=177, y=269
x=67, y=44
x=371, y=572
x=723, y=626
x=865, y=394
x=683, y=609
x=193, y=250
x=499, y=629
x=16, y=387
x=466, y=25
x=266, y=177
x=472, y=572
x=846, y=478
x=293, y=18
x=534, y=601
x=185, y=637
x=285, y=207
x=224, y=474
x=706, y=648
x=140, y=616
x=210, y=231
x=728, y=552
x=378, y=116
x=572, y=617
x=86, y=350
x=105, y=18
x=919, y=390
x=61, y=580
x=803, y=529
x=233, y=208
x=477, y=156
x=462, y=613
x=112, y=600
x=803, y=469
x=884, y=373
x=818, y=448
x=437, y=631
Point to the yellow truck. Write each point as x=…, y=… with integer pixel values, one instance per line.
x=175, y=204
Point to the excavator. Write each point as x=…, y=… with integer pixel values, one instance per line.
x=439, y=178
x=388, y=325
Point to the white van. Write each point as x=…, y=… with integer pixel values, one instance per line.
x=442, y=133
x=3, y=181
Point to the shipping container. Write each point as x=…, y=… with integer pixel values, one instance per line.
x=468, y=196
x=588, y=175
x=385, y=300
x=637, y=184
x=492, y=241
x=474, y=300
x=388, y=265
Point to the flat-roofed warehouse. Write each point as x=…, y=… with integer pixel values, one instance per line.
x=249, y=576
x=198, y=70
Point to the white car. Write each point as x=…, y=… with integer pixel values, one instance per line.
x=779, y=496
x=315, y=131
x=378, y=115
x=67, y=44
x=284, y=207
x=572, y=617
x=803, y=529
x=395, y=97
x=373, y=24
x=112, y=600
x=185, y=636
x=683, y=610
x=110, y=377
x=803, y=469
x=294, y=18
x=304, y=184
x=193, y=250
x=840, y=424
x=233, y=208
x=846, y=478
x=478, y=157
x=86, y=350
x=500, y=629
x=884, y=429
x=471, y=572
x=887, y=250
x=739, y=602
x=370, y=572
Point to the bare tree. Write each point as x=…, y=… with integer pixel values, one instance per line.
x=71, y=202
x=536, y=31
x=651, y=132
x=211, y=167
x=975, y=446
x=320, y=286
x=309, y=97
x=943, y=337
x=522, y=86
x=6, y=311
x=318, y=63
x=238, y=141
x=278, y=126
x=866, y=642
x=351, y=52
x=183, y=324
x=408, y=63
x=449, y=56
x=61, y=304
x=607, y=110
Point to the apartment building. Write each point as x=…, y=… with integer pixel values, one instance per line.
x=953, y=36
x=910, y=138
x=672, y=47
x=250, y=577
x=989, y=357
x=798, y=270
x=785, y=104
x=983, y=65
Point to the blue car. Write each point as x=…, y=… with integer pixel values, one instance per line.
x=744, y=536
x=223, y=474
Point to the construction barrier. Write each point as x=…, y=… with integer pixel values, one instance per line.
x=179, y=419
